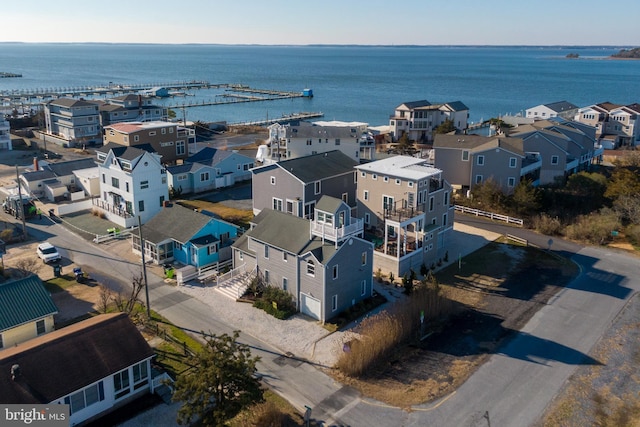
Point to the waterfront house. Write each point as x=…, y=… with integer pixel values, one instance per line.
x=467, y=160
x=562, y=109
x=301, y=138
x=94, y=366
x=180, y=235
x=295, y=186
x=171, y=141
x=616, y=125
x=131, y=108
x=418, y=119
x=72, y=122
x=323, y=262
x=133, y=183
x=407, y=210
x=208, y=169
x=26, y=311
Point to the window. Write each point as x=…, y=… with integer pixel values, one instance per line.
x=465, y=155
x=410, y=184
x=40, y=327
x=136, y=138
x=204, y=176
x=212, y=249
x=266, y=251
x=273, y=180
x=1, y=344
x=431, y=202
x=337, y=141
x=141, y=206
x=334, y=303
x=367, y=218
x=511, y=182
x=478, y=179
x=480, y=160
x=363, y=287
x=266, y=277
x=277, y=204
x=163, y=131
x=365, y=195
x=285, y=283
x=180, y=148
x=363, y=259
x=115, y=182
x=284, y=257
x=398, y=182
x=387, y=202
x=311, y=268
x=126, y=186
x=317, y=187
x=446, y=198
x=444, y=220
x=121, y=383
x=152, y=133
x=161, y=201
x=345, y=197
x=140, y=375
x=554, y=160
x=374, y=176
x=335, y=272
x=85, y=398
x=385, y=179
x=144, y=184
x=513, y=162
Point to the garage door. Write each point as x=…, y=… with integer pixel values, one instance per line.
x=310, y=306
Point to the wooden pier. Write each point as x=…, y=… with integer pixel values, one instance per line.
x=5, y=75
x=285, y=118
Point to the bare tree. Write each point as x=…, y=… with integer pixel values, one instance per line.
x=105, y=298
x=26, y=267
x=126, y=305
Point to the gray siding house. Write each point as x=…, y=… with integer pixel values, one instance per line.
x=295, y=186
x=323, y=263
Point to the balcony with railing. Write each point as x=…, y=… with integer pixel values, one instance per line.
x=108, y=207
x=337, y=234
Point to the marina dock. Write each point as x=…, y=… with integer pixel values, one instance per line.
x=5, y=75
x=285, y=118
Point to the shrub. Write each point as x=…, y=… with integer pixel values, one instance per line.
x=633, y=233
x=595, y=228
x=545, y=224
x=283, y=307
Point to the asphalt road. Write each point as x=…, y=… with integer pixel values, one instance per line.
x=512, y=389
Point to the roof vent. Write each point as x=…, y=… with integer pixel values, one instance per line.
x=15, y=371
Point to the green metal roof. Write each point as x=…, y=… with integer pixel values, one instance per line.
x=23, y=301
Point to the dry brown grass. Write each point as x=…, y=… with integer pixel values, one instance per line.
x=239, y=217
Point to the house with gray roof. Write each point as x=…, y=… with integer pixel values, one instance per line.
x=133, y=183
x=72, y=122
x=26, y=311
x=184, y=237
x=95, y=366
x=55, y=181
x=295, y=186
x=563, y=109
x=209, y=169
x=131, y=108
x=468, y=160
x=418, y=119
x=324, y=263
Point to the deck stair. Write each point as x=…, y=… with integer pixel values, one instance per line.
x=234, y=287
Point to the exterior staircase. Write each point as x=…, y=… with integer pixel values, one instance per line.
x=234, y=287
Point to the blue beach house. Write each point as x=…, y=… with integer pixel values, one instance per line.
x=182, y=236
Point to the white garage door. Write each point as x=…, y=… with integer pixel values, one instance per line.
x=310, y=306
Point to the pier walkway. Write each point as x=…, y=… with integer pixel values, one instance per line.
x=285, y=118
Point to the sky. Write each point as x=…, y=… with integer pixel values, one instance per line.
x=290, y=22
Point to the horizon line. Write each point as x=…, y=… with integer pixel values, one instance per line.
x=581, y=46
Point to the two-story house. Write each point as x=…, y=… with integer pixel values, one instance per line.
x=563, y=109
x=94, y=366
x=322, y=263
x=131, y=108
x=74, y=122
x=406, y=207
x=55, y=181
x=467, y=160
x=169, y=140
x=180, y=235
x=616, y=125
x=133, y=183
x=299, y=139
x=208, y=169
x=26, y=311
x=418, y=119
x=295, y=186
x=563, y=148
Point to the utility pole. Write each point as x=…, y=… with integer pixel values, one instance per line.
x=20, y=205
x=144, y=268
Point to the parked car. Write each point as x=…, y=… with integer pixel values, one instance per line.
x=48, y=253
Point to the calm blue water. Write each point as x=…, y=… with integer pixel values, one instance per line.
x=349, y=83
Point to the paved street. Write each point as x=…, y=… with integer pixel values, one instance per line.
x=513, y=387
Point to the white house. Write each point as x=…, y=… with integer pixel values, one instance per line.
x=94, y=366
x=5, y=135
x=562, y=109
x=418, y=119
x=133, y=182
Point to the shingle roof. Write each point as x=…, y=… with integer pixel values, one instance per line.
x=22, y=301
x=209, y=156
x=415, y=104
x=174, y=222
x=319, y=166
x=561, y=106
x=126, y=152
x=61, y=362
x=38, y=175
x=457, y=106
x=70, y=102
x=66, y=168
x=328, y=204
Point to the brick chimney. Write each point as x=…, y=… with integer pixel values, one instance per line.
x=36, y=166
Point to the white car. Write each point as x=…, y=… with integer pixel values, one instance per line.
x=48, y=253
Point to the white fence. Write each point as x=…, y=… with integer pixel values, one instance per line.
x=491, y=215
